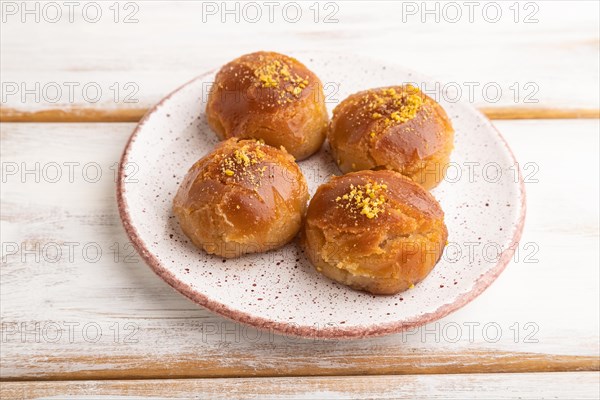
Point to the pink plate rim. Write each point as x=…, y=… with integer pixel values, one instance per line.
x=337, y=332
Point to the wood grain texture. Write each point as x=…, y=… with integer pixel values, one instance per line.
x=78, y=316
x=70, y=316
x=73, y=114
x=582, y=385
x=496, y=113
x=548, y=62
x=135, y=114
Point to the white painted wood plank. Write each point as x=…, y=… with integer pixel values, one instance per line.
x=78, y=316
x=547, y=58
x=581, y=385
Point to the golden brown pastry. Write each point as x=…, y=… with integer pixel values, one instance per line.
x=243, y=197
x=272, y=97
x=376, y=231
x=397, y=128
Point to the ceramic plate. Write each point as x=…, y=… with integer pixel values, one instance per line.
x=482, y=196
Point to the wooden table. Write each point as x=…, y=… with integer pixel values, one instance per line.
x=83, y=316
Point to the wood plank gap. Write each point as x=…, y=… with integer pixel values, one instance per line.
x=188, y=368
x=90, y=115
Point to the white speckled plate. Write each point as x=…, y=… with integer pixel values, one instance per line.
x=483, y=199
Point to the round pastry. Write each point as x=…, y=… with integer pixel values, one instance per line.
x=243, y=197
x=272, y=97
x=376, y=231
x=397, y=128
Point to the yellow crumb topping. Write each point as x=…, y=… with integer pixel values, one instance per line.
x=238, y=163
x=409, y=109
x=395, y=107
x=368, y=200
x=276, y=75
x=269, y=74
